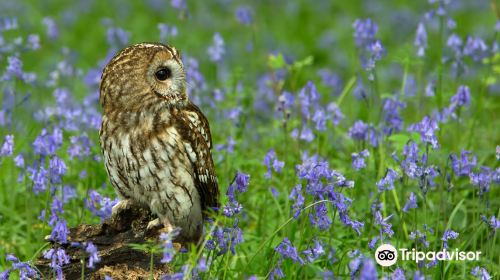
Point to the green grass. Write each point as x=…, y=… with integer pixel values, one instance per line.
x=319, y=35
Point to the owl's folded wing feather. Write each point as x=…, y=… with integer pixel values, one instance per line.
x=195, y=131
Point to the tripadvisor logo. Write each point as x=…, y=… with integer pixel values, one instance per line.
x=387, y=255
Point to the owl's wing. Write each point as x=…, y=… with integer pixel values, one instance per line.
x=195, y=131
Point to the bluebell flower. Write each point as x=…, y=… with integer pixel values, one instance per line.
x=320, y=217
x=167, y=31
x=179, y=4
x=309, y=99
x=410, y=163
x=58, y=258
x=277, y=272
x=287, y=250
x=368, y=271
x=52, y=30
x=225, y=239
x=385, y=227
x=202, y=265
x=244, y=15
x=411, y=203
x=217, y=49
x=482, y=179
x=319, y=118
x=493, y=222
x=68, y=192
x=359, y=131
x=33, y=42
x=166, y=239
x=455, y=43
x=99, y=205
x=355, y=263
x=334, y=110
x=447, y=235
x=40, y=178
x=306, y=134
x=432, y=263
x=481, y=273
x=7, y=148
x=421, y=40
x=430, y=88
x=331, y=79
x=342, y=204
x=314, y=252
x=392, y=116
x=286, y=100
x=463, y=166
x=358, y=160
x=91, y=249
x=57, y=168
x=8, y=23
x=80, y=146
x=373, y=242
x=387, y=183
x=398, y=274
x=377, y=50
x=296, y=195
x=26, y=271
x=117, y=37
x=272, y=162
x=47, y=144
x=242, y=181
x=371, y=49
x=475, y=48
x=364, y=32
x=462, y=97
x=19, y=161
x=420, y=238
x=427, y=129
x=14, y=68
x=60, y=232
x=274, y=192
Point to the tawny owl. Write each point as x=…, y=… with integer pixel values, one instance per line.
x=156, y=143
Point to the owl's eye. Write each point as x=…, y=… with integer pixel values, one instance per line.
x=163, y=74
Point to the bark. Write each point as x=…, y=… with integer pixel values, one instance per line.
x=112, y=238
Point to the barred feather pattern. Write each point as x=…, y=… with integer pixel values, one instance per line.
x=157, y=150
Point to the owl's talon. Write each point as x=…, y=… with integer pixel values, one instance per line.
x=156, y=223
x=120, y=206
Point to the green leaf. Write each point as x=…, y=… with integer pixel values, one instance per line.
x=297, y=65
x=276, y=61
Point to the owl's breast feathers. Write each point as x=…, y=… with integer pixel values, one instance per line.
x=194, y=130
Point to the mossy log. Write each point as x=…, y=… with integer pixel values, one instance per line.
x=112, y=239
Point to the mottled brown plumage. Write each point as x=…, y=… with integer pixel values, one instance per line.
x=156, y=143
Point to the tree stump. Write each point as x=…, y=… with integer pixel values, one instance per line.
x=112, y=239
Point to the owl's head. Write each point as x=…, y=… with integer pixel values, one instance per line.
x=141, y=75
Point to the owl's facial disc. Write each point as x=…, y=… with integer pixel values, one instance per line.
x=166, y=77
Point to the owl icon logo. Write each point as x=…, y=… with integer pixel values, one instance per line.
x=386, y=255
